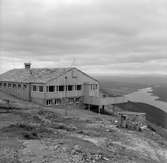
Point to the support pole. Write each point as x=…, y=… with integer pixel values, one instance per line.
x=66, y=103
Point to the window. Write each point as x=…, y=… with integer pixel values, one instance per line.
x=49, y=102
x=24, y=86
x=9, y=85
x=19, y=85
x=79, y=87
x=93, y=86
x=70, y=87
x=61, y=88
x=34, y=88
x=51, y=88
x=0, y=84
x=4, y=84
x=58, y=101
x=123, y=117
x=14, y=85
x=96, y=86
x=40, y=88
x=77, y=100
x=71, y=100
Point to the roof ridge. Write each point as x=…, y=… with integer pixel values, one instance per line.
x=35, y=75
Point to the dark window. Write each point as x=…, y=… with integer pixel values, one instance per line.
x=77, y=100
x=0, y=84
x=61, y=87
x=14, y=85
x=25, y=86
x=70, y=87
x=48, y=102
x=123, y=117
x=51, y=88
x=19, y=85
x=94, y=86
x=40, y=88
x=34, y=88
x=9, y=85
x=57, y=101
x=4, y=84
x=79, y=87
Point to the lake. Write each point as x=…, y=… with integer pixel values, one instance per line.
x=145, y=96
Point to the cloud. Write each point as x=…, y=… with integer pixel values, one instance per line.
x=112, y=36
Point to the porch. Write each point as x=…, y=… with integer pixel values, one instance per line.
x=103, y=101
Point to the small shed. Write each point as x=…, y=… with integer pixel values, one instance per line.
x=132, y=120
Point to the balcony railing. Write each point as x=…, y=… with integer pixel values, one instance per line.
x=92, y=100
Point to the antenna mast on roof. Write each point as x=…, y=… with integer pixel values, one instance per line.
x=73, y=64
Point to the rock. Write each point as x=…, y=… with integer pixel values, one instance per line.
x=77, y=148
x=56, y=147
x=105, y=158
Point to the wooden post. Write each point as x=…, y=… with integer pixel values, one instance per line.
x=66, y=109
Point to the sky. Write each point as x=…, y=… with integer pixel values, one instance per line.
x=126, y=37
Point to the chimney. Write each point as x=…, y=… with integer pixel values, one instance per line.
x=27, y=66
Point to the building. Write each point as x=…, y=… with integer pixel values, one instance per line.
x=54, y=86
x=132, y=120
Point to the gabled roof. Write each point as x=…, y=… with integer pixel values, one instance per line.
x=34, y=75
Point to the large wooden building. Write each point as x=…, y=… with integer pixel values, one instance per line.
x=55, y=86
x=49, y=86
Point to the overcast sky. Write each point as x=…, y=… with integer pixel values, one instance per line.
x=98, y=36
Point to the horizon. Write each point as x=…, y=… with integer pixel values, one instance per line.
x=119, y=75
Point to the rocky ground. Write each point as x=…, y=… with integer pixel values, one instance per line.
x=35, y=134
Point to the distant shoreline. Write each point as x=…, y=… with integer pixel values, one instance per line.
x=146, y=95
x=155, y=92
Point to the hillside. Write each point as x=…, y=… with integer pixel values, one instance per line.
x=157, y=119
x=36, y=134
x=154, y=115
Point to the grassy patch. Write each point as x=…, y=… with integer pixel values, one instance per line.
x=26, y=131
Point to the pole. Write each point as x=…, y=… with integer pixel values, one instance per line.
x=66, y=113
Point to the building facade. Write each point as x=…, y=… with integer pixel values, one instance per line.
x=49, y=86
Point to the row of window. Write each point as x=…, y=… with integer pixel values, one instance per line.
x=50, y=88
x=12, y=85
x=37, y=88
x=59, y=88
x=93, y=86
x=60, y=101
